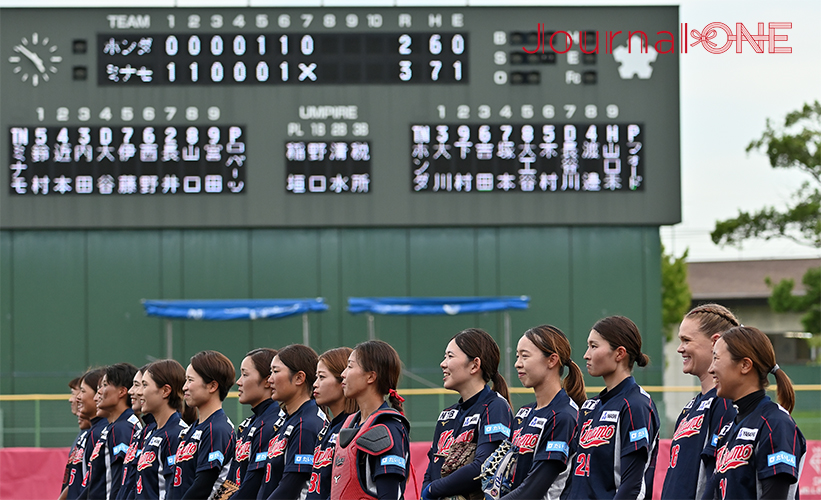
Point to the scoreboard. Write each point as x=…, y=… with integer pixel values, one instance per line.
x=335, y=117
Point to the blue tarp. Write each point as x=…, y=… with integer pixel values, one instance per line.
x=434, y=305
x=222, y=310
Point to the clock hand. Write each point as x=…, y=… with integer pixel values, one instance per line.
x=32, y=56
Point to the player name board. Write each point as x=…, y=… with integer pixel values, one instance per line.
x=289, y=117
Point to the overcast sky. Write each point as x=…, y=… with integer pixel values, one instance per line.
x=725, y=102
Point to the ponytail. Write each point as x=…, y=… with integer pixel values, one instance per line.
x=550, y=340
x=477, y=343
x=784, y=389
x=395, y=400
x=500, y=386
x=573, y=383
x=748, y=342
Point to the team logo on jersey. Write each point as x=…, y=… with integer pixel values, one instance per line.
x=523, y=412
x=276, y=446
x=747, y=434
x=444, y=443
x=96, y=451
x=186, y=451
x=131, y=454
x=243, y=451
x=591, y=437
x=609, y=416
x=525, y=442
x=146, y=459
x=465, y=437
x=76, y=456
x=705, y=404
x=736, y=457
x=688, y=427
x=448, y=415
x=471, y=420
x=323, y=458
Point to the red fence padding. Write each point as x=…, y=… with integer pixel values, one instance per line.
x=36, y=473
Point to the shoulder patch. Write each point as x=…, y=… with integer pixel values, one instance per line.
x=690, y=404
x=120, y=448
x=781, y=457
x=644, y=393
x=705, y=404
x=321, y=414
x=216, y=455
x=197, y=434
x=393, y=460
x=494, y=428
x=134, y=420
x=304, y=459
x=559, y=446
x=471, y=420
x=639, y=434
x=574, y=405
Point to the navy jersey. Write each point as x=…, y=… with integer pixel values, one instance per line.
x=485, y=417
x=611, y=426
x=156, y=463
x=765, y=443
x=129, y=476
x=77, y=478
x=544, y=434
x=319, y=486
x=71, y=453
x=105, y=464
x=204, y=446
x=251, y=439
x=291, y=449
x=697, y=429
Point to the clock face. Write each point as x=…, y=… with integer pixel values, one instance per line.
x=35, y=59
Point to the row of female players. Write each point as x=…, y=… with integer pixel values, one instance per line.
x=332, y=426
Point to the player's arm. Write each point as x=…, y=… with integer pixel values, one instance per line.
x=632, y=476
x=63, y=494
x=538, y=481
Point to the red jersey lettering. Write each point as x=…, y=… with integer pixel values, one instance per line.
x=595, y=436
x=688, y=428
x=733, y=458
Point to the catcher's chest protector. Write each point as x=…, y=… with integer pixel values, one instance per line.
x=369, y=438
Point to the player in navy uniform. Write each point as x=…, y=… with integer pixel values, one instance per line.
x=692, y=452
x=760, y=455
x=84, y=425
x=161, y=395
x=372, y=452
x=108, y=455
x=544, y=430
x=290, y=453
x=253, y=434
x=129, y=480
x=481, y=416
x=86, y=410
x=206, y=449
x=329, y=396
x=617, y=435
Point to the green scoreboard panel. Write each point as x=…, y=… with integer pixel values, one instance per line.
x=282, y=117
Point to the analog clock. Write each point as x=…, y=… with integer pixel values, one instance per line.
x=35, y=60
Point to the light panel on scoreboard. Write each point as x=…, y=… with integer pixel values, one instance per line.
x=287, y=117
